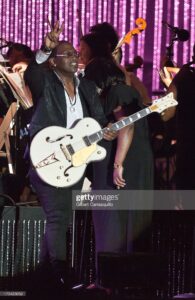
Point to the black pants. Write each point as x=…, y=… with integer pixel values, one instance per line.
x=57, y=206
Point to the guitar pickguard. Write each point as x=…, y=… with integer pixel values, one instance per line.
x=81, y=156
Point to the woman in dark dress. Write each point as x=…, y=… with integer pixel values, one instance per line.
x=120, y=100
x=116, y=231
x=183, y=88
x=129, y=162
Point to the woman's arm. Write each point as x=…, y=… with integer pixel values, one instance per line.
x=169, y=113
x=124, y=140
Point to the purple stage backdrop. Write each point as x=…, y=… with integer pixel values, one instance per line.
x=25, y=21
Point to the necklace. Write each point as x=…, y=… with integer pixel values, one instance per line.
x=72, y=101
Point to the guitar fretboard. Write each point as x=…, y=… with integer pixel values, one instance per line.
x=95, y=137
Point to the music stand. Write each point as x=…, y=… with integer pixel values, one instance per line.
x=5, y=130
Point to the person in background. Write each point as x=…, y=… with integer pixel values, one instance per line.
x=127, y=167
x=106, y=31
x=101, y=42
x=137, y=63
x=18, y=57
x=92, y=52
x=167, y=74
x=132, y=79
x=182, y=85
x=19, y=53
x=93, y=45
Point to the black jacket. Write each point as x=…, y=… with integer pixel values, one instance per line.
x=49, y=99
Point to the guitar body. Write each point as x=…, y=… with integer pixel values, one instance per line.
x=60, y=155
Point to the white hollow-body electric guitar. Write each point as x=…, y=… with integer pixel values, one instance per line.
x=60, y=155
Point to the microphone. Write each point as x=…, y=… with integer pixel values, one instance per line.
x=182, y=34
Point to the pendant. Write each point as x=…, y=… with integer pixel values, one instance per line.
x=72, y=109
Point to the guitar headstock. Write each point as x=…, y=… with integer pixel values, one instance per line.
x=159, y=105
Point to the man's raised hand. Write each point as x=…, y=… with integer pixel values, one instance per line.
x=52, y=38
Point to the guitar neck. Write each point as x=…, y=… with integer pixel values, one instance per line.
x=95, y=137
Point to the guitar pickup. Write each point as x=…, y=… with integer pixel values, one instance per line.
x=70, y=149
x=86, y=140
